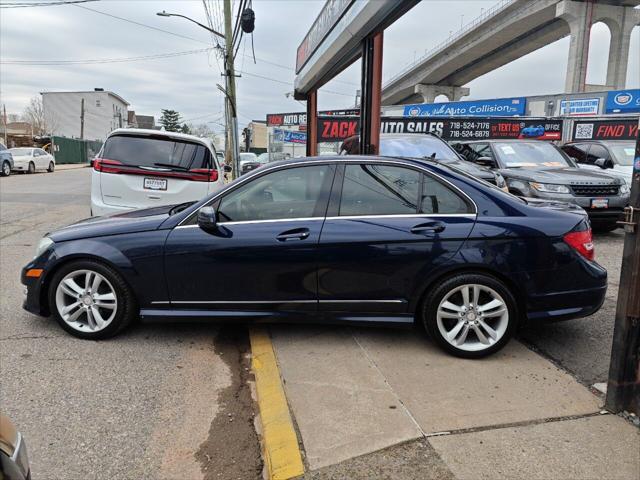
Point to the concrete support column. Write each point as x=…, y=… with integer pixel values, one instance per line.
x=579, y=16
x=430, y=92
x=620, y=28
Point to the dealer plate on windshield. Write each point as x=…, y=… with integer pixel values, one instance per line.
x=599, y=203
x=155, y=184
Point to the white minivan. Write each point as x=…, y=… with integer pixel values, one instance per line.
x=139, y=168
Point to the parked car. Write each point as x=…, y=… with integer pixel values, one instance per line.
x=139, y=168
x=263, y=158
x=6, y=161
x=344, y=239
x=538, y=169
x=248, y=162
x=14, y=460
x=613, y=156
x=32, y=159
x=427, y=146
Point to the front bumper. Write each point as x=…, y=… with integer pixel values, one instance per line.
x=614, y=211
x=34, y=287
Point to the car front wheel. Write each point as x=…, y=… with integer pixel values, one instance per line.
x=470, y=315
x=51, y=168
x=6, y=169
x=91, y=300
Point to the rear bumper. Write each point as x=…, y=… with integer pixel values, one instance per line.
x=565, y=305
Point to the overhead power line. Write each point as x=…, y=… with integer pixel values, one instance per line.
x=104, y=60
x=42, y=4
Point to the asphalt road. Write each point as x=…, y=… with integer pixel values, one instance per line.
x=151, y=403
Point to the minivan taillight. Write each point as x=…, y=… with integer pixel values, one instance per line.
x=204, y=174
x=581, y=242
x=105, y=165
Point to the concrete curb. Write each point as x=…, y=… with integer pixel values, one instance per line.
x=279, y=441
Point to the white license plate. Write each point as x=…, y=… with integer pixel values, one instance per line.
x=155, y=184
x=599, y=203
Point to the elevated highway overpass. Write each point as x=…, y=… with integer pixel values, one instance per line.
x=510, y=30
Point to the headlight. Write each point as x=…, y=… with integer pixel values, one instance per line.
x=550, y=187
x=43, y=244
x=624, y=188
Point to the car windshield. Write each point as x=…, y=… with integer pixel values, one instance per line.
x=263, y=158
x=418, y=146
x=624, y=153
x=156, y=152
x=21, y=151
x=248, y=157
x=530, y=155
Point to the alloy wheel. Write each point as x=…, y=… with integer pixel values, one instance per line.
x=472, y=317
x=86, y=301
x=6, y=169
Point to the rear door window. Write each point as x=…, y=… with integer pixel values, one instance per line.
x=371, y=189
x=157, y=152
x=440, y=199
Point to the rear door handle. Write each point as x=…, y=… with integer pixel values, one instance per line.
x=295, y=234
x=429, y=227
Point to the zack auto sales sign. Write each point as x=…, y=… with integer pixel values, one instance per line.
x=333, y=129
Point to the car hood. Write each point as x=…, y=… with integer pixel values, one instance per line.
x=560, y=176
x=128, y=222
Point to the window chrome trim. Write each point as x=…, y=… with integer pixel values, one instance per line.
x=253, y=302
x=410, y=215
x=275, y=220
x=356, y=160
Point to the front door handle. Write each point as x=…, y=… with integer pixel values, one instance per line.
x=429, y=227
x=295, y=234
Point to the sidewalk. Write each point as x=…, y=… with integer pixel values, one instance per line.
x=71, y=166
x=388, y=404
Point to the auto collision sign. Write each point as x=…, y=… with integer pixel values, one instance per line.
x=452, y=128
x=622, y=129
x=295, y=137
x=502, y=107
x=623, y=101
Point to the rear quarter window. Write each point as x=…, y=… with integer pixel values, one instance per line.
x=156, y=152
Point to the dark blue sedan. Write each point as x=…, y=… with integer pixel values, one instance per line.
x=346, y=239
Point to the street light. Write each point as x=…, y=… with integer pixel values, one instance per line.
x=166, y=14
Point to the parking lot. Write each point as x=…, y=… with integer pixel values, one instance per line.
x=173, y=401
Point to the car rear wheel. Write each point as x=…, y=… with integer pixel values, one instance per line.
x=51, y=168
x=6, y=169
x=32, y=168
x=470, y=315
x=91, y=300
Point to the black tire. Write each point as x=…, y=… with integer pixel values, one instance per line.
x=51, y=168
x=438, y=293
x=127, y=309
x=6, y=169
x=32, y=168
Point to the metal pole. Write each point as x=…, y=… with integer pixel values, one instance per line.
x=312, y=123
x=82, y=119
x=4, y=118
x=623, y=389
x=231, y=86
x=371, y=92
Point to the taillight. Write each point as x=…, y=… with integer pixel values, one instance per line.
x=204, y=174
x=581, y=242
x=105, y=165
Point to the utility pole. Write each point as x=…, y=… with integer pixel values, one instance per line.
x=623, y=388
x=4, y=118
x=82, y=119
x=232, y=148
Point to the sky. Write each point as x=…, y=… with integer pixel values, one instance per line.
x=187, y=83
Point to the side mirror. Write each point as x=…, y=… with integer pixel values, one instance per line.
x=486, y=162
x=604, y=163
x=207, y=219
x=227, y=168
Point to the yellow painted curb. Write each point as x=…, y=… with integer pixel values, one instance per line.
x=279, y=442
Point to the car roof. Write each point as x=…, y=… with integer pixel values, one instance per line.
x=145, y=132
x=419, y=162
x=505, y=140
x=598, y=141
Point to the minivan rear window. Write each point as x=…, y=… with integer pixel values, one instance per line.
x=156, y=152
